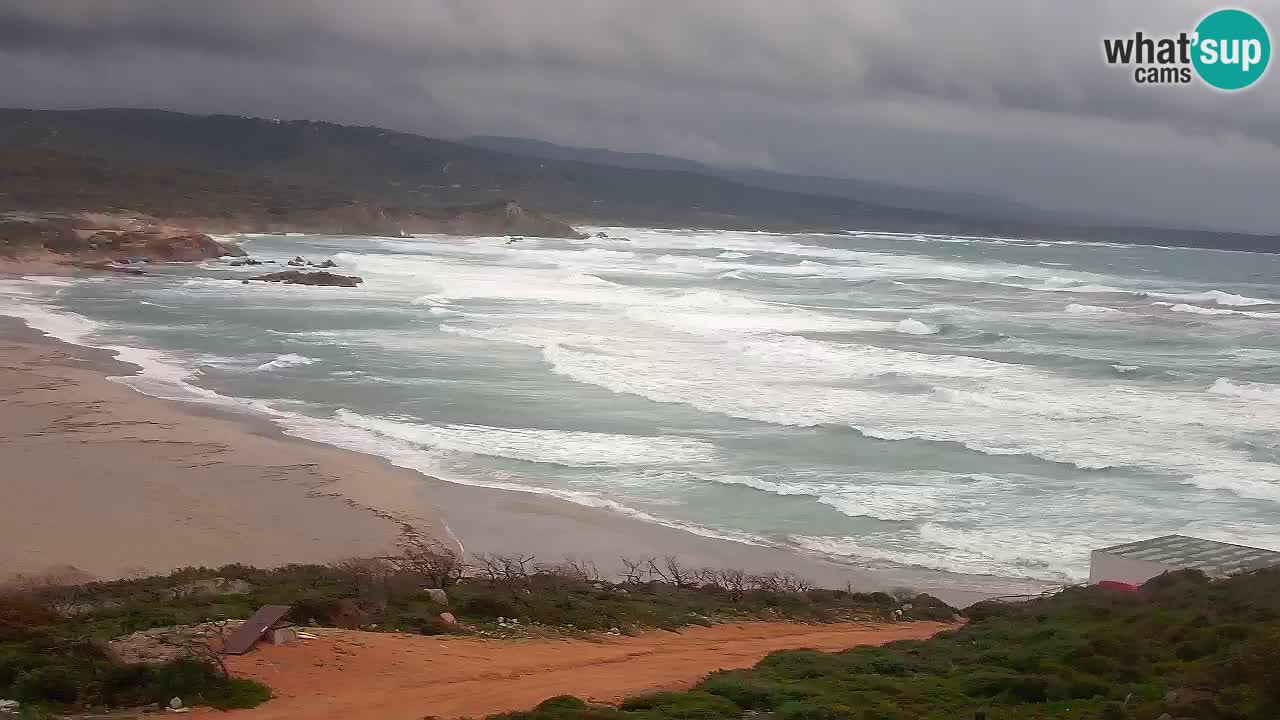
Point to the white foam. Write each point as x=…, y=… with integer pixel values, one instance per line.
x=888, y=502
x=558, y=447
x=1246, y=390
x=1215, y=296
x=956, y=551
x=408, y=453
x=763, y=485
x=286, y=361
x=912, y=326
x=1197, y=310
x=1077, y=309
x=48, y=281
x=1185, y=308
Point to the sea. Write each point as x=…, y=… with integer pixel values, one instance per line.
x=984, y=405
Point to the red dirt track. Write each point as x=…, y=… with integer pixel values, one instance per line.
x=381, y=676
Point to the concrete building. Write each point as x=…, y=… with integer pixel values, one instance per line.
x=1138, y=562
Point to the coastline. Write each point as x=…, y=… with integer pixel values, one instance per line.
x=209, y=505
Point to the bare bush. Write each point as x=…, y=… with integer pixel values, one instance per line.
x=511, y=570
x=734, y=583
x=50, y=594
x=669, y=570
x=571, y=572
x=782, y=583
x=437, y=565
x=904, y=594
x=635, y=571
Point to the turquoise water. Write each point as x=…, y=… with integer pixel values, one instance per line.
x=978, y=405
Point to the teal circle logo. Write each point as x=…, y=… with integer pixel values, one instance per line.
x=1232, y=49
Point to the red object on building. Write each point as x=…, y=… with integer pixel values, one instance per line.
x=1117, y=586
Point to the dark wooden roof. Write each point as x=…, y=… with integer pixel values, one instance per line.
x=248, y=634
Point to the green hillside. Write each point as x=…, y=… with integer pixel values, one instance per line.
x=1184, y=647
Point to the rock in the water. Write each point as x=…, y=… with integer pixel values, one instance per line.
x=328, y=264
x=437, y=595
x=9, y=706
x=297, y=277
x=189, y=248
x=602, y=234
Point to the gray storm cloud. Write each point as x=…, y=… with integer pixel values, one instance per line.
x=988, y=96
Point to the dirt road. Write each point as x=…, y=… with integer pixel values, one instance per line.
x=379, y=676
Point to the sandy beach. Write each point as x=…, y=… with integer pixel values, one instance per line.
x=102, y=481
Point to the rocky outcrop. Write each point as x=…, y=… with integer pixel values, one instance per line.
x=19, y=237
x=298, y=277
x=112, y=245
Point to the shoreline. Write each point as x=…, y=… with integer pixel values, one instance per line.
x=385, y=501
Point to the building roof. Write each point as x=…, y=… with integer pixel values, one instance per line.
x=1214, y=558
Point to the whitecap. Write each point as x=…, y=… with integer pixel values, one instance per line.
x=912, y=326
x=571, y=448
x=1246, y=390
x=1215, y=296
x=1077, y=309
x=286, y=361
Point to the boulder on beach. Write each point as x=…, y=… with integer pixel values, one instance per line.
x=298, y=277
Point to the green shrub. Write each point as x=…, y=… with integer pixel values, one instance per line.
x=47, y=684
x=744, y=689
x=692, y=705
x=813, y=710
x=1114, y=711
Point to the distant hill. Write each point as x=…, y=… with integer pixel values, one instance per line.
x=403, y=170
x=868, y=191
x=39, y=182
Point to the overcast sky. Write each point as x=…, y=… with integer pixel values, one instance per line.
x=1003, y=97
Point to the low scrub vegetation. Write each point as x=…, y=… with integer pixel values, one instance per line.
x=1183, y=647
x=53, y=648
x=47, y=660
